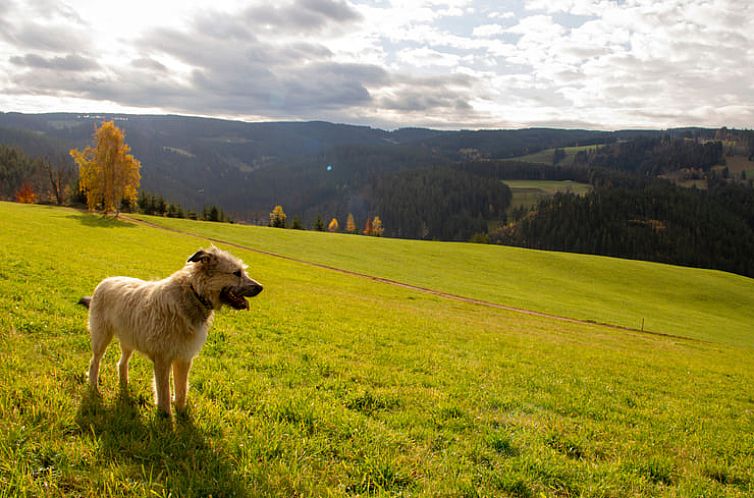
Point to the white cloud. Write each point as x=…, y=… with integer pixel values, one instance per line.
x=488, y=30
x=602, y=63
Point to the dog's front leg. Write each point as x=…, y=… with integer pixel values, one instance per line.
x=123, y=366
x=180, y=379
x=162, y=384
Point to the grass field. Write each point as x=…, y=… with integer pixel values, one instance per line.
x=528, y=193
x=702, y=304
x=545, y=156
x=337, y=385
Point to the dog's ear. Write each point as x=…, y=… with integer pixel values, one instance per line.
x=200, y=256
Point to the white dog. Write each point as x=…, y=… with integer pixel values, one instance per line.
x=167, y=319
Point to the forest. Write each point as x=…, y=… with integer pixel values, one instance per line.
x=657, y=222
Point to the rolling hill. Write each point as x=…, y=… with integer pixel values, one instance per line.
x=342, y=385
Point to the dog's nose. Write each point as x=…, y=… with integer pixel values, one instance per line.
x=255, y=289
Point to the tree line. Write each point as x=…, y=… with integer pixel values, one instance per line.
x=50, y=179
x=372, y=226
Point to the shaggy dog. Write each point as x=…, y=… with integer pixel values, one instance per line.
x=167, y=320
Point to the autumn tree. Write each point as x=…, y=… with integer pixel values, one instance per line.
x=350, y=224
x=26, y=194
x=377, y=228
x=277, y=217
x=367, y=227
x=333, y=226
x=107, y=172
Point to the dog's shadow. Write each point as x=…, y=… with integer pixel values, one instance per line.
x=156, y=449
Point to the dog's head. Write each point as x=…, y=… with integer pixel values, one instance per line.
x=224, y=279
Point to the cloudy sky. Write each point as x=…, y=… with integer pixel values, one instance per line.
x=604, y=64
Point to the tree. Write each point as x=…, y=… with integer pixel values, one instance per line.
x=108, y=173
x=319, y=225
x=296, y=225
x=26, y=194
x=350, y=224
x=61, y=175
x=377, y=228
x=277, y=217
x=333, y=226
x=367, y=227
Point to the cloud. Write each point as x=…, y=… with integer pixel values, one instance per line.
x=445, y=63
x=71, y=62
x=426, y=57
x=301, y=16
x=488, y=30
x=48, y=25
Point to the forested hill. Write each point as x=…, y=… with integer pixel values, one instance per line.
x=311, y=168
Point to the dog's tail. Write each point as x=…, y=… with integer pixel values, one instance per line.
x=85, y=301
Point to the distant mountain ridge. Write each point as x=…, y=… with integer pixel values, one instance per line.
x=311, y=168
x=248, y=167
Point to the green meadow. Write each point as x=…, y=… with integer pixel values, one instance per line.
x=339, y=385
x=701, y=304
x=546, y=156
x=528, y=193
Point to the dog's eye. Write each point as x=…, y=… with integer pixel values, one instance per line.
x=237, y=273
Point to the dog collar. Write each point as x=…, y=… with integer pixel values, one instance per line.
x=201, y=299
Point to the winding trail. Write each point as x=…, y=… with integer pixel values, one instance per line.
x=434, y=292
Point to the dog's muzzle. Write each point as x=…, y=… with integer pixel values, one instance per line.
x=235, y=297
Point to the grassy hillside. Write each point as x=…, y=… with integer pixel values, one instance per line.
x=335, y=385
x=545, y=156
x=701, y=304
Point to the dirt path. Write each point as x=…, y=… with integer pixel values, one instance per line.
x=434, y=292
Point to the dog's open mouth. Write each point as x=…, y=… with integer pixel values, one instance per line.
x=234, y=298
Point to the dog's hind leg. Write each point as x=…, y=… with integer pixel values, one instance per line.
x=162, y=384
x=125, y=355
x=101, y=336
x=180, y=380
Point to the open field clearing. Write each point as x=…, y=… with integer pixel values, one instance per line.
x=702, y=304
x=546, y=156
x=337, y=385
x=528, y=193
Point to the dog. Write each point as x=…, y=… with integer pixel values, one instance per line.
x=166, y=320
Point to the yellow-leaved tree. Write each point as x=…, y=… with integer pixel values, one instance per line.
x=277, y=217
x=351, y=224
x=108, y=174
x=377, y=228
